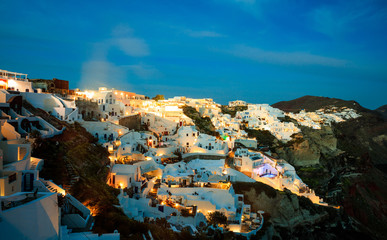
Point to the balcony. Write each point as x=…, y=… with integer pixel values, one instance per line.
x=19, y=199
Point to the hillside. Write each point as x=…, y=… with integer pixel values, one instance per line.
x=345, y=163
x=76, y=161
x=313, y=103
x=203, y=124
x=382, y=110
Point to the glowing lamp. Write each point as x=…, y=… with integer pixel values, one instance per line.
x=11, y=83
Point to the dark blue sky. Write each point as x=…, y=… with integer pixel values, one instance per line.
x=259, y=51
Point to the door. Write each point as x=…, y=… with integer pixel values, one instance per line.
x=28, y=182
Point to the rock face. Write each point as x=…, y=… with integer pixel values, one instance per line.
x=284, y=208
x=352, y=162
x=293, y=217
x=308, y=147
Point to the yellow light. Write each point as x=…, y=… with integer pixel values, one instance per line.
x=121, y=185
x=176, y=205
x=163, y=203
x=11, y=83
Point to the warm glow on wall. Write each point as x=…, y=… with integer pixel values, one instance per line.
x=11, y=83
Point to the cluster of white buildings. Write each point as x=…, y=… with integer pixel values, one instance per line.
x=265, y=117
x=276, y=173
x=32, y=207
x=17, y=84
x=170, y=170
x=323, y=117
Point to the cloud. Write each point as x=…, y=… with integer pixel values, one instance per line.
x=341, y=18
x=124, y=39
x=144, y=71
x=122, y=30
x=252, y=7
x=245, y=1
x=100, y=73
x=284, y=58
x=203, y=34
x=132, y=46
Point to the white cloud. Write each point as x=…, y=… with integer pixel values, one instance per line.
x=144, y=71
x=202, y=34
x=284, y=58
x=341, y=18
x=98, y=73
x=132, y=46
x=122, y=30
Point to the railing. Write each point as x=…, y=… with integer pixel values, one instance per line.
x=19, y=200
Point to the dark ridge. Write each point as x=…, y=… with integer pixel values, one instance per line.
x=313, y=103
x=382, y=111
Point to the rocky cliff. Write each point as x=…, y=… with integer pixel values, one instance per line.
x=293, y=217
x=308, y=147
x=345, y=163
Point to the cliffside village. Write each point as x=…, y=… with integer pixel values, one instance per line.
x=162, y=164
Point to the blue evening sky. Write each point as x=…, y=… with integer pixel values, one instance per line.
x=258, y=51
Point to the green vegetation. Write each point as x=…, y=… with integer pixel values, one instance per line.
x=264, y=137
x=76, y=154
x=241, y=187
x=203, y=124
x=217, y=218
x=158, y=97
x=314, y=176
x=232, y=110
x=288, y=119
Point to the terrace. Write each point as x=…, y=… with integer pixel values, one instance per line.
x=20, y=199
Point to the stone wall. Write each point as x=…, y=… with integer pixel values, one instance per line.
x=89, y=110
x=131, y=122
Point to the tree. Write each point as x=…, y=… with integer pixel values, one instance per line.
x=184, y=212
x=217, y=218
x=158, y=97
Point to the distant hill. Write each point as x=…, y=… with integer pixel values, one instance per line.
x=312, y=103
x=382, y=110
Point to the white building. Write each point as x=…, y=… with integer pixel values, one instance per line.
x=125, y=176
x=237, y=103
x=15, y=81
